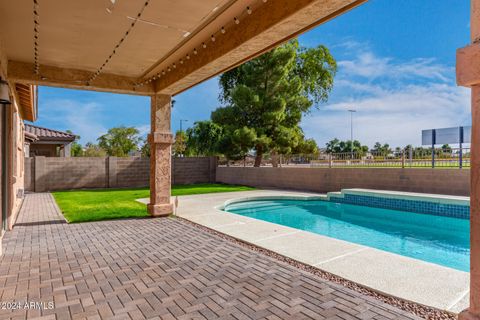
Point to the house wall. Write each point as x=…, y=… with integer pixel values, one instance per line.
x=440, y=181
x=2, y=124
x=45, y=173
x=15, y=163
x=46, y=150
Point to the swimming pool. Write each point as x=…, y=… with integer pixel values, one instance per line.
x=441, y=240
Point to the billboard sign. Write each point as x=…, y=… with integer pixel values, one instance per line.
x=455, y=135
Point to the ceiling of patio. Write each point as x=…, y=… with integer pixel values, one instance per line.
x=146, y=46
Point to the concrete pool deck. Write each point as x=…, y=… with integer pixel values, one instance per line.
x=411, y=279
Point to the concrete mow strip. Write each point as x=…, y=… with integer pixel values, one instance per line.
x=407, y=278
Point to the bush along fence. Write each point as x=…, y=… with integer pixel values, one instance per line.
x=46, y=174
x=405, y=158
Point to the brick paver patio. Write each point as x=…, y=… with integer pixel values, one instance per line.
x=158, y=268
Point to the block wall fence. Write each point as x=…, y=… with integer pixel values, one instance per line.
x=440, y=181
x=48, y=173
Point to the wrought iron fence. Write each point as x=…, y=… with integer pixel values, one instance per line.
x=405, y=158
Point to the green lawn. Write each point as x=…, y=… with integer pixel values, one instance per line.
x=94, y=205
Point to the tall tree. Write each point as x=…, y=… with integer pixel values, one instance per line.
x=145, y=148
x=180, y=145
x=306, y=146
x=446, y=148
x=268, y=95
x=236, y=144
x=120, y=141
x=203, y=138
x=93, y=150
x=337, y=146
x=76, y=149
x=333, y=146
x=382, y=150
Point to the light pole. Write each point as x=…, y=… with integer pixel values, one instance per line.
x=181, y=121
x=351, y=131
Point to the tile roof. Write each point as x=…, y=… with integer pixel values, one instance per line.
x=45, y=134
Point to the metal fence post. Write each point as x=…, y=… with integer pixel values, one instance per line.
x=434, y=138
x=460, y=158
x=460, y=155
x=433, y=157
x=410, y=155
x=403, y=159
x=329, y=160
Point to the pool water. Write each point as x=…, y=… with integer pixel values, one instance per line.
x=437, y=239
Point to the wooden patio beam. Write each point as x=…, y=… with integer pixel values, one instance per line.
x=22, y=72
x=3, y=60
x=270, y=25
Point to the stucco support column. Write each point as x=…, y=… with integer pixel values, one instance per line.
x=468, y=75
x=160, y=139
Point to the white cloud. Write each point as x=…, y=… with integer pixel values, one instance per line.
x=370, y=66
x=84, y=119
x=396, y=117
x=143, y=129
x=394, y=101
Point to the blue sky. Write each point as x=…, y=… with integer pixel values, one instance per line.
x=396, y=68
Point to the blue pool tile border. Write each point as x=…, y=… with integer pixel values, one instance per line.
x=425, y=207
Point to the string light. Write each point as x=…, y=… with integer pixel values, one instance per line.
x=222, y=30
x=122, y=39
x=36, y=36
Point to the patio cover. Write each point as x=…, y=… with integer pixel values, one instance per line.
x=146, y=46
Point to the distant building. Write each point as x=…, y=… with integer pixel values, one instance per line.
x=47, y=142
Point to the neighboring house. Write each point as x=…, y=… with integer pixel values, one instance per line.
x=47, y=142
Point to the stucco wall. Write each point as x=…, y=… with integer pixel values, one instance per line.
x=441, y=181
x=16, y=162
x=47, y=173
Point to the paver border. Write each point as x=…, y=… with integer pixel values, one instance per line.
x=415, y=308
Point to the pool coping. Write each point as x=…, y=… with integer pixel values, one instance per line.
x=411, y=279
